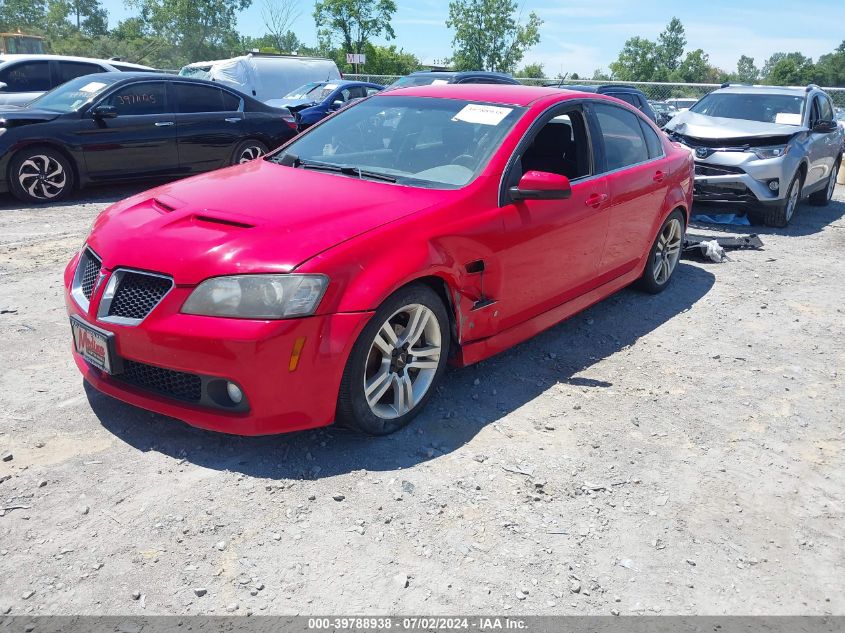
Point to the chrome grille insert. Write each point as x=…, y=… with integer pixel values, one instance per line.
x=85, y=278
x=131, y=295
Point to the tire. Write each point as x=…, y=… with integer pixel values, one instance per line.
x=380, y=362
x=664, y=254
x=40, y=175
x=248, y=150
x=780, y=215
x=822, y=198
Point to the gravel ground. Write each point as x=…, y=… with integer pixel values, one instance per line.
x=672, y=454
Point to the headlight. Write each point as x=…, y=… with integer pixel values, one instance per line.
x=770, y=152
x=257, y=296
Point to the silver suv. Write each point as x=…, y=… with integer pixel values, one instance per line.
x=764, y=147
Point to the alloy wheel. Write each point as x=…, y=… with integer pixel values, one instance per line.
x=250, y=153
x=831, y=185
x=402, y=361
x=668, y=251
x=42, y=177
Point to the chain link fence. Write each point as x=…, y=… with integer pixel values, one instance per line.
x=655, y=91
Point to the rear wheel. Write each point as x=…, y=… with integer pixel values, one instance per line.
x=248, y=150
x=664, y=254
x=40, y=174
x=822, y=198
x=395, y=363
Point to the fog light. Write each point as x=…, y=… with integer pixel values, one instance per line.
x=774, y=185
x=234, y=392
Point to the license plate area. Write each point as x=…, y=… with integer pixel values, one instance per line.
x=96, y=346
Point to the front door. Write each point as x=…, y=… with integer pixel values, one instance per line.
x=139, y=141
x=553, y=247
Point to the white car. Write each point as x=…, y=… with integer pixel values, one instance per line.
x=682, y=104
x=24, y=78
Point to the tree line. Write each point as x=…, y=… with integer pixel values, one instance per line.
x=487, y=35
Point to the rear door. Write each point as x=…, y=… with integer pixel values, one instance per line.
x=636, y=167
x=139, y=141
x=210, y=122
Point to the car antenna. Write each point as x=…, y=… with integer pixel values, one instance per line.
x=562, y=78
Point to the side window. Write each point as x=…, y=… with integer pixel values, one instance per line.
x=626, y=97
x=231, y=103
x=372, y=91
x=72, y=70
x=357, y=92
x=815, y=113
x=826, y=109
x=344, y=95
x=561, y=146
x=652, y=141
x=27, y=77
x=194, y=98
x=142, y=98
x=624, y=143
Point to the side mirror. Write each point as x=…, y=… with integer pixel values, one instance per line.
x=3, y=85
x=104, y=112
x=541, y=185
x=337, y=105
x=825, y=127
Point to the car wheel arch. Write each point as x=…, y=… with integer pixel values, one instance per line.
x=77, y=182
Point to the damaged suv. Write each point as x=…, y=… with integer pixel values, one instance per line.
x=762, y=147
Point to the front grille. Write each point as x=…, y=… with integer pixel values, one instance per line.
x=137, y=294
x=90, y=270
x=702, y=169
x=179, y=385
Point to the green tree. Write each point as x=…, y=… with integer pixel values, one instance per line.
x=746, y=71
x=355, y=22
x=489, y=35
x=670, y=47
x=199, y=29
x=830, y=68
x=531, y=71
x=637, y=60
x=696, y=68
x=789, y=69
x=26, y=15
x=600, y=75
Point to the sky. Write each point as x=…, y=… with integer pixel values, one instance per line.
x=583, y=36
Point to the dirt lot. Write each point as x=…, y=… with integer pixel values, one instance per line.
x=672, y=454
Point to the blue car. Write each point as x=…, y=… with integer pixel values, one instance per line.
x=314, y=101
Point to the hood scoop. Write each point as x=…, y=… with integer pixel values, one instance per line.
x=229, y=222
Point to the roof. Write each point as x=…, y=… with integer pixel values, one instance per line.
x=461, y=73
x=505, y=94
x=66, y=58
x=765, y=90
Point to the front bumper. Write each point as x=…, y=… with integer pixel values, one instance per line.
x=256, y=355
x=741, y=178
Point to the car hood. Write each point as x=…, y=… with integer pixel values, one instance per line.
x=11, y=116
x=709, y=127
x=255, y=217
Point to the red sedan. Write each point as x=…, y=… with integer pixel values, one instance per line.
x=334, y=279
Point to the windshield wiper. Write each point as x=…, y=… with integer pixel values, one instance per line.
x=291, y=160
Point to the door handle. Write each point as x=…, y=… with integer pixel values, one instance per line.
x=596, y=200
x=658, y=176
x=163, y=123
x=231, y=119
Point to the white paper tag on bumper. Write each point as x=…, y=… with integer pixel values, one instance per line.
x=483, y=114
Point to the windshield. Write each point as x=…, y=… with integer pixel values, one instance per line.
x=418, y=141
x=420, y=80
x=315, y=91
x=198, y=72
x=766, y=108
x=72, y=95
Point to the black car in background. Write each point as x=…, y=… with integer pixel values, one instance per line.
x=429, y=77
x=123, y=126
x=626, y=93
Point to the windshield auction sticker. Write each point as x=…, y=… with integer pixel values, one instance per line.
x=483, y=114
x=94, y=86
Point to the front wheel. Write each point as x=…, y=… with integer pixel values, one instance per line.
x=664, y=254
x=822, y=197
x=396, y=362
x=779, y=215
x=40, y=174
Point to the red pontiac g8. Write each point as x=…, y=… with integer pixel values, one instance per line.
x=334, y=279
